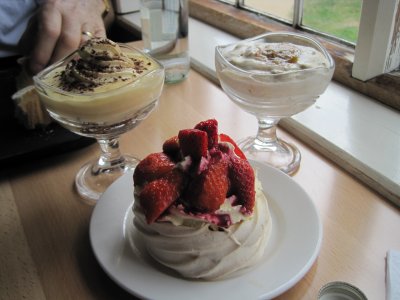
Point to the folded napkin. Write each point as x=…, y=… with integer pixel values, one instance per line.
x=393, y=275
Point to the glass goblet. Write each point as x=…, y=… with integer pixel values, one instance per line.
x=271, y=93
x=103, y=115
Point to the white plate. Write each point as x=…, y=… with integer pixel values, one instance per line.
x=292, y=249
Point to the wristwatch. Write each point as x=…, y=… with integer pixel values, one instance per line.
x=106, y=9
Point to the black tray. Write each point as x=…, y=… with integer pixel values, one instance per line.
x=20, y=145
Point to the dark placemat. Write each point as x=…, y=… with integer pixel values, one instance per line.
x=19, y=145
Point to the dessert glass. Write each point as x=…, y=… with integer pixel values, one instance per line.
x=271, y=97
x=103, y=115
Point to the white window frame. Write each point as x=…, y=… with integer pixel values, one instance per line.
x=378, y=46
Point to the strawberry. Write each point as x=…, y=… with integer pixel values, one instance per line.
x=211, y=127
x=159, y=194
x=220, y=170
x=226, y=138
x=152, y=167
x=208, y=190
x=193, y=142
x=242, y=179
x=171, y=147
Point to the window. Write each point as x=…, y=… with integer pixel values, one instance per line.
x=339, y=18
x=229, y=1
x=378, y=45
x=282, y=10
x=342, y=20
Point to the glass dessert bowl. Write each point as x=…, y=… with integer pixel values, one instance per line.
x=273, y=76
x=101, y=90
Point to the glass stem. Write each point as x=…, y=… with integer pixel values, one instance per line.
x=267, y=130
x=110, y=156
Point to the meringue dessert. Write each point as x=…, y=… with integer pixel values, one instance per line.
x=29, y=111
x=102, y=83
x=199, y=208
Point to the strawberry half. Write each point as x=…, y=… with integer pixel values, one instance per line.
x=242, y=179
x=226, y=138
x=171, y=147
x=159, y=194
x=208, y=190
x=211, y=127
x=193, y=142
x=152, y=167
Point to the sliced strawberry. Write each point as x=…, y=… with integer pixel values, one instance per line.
x=242, y=180
x=226, y=138
x=193, y=142
x=211, y=127
x=208, y=190
x=152, y=167
x=159, y=194
x=171, y=147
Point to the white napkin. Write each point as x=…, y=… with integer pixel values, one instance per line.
x=393, y=275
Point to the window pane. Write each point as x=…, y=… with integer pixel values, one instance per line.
x=340, y=18
x=229, y=1
x=279, y=8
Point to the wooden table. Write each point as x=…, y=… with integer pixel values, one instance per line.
x=44, y=242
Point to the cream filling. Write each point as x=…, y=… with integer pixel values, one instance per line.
x=102, y=66
x=198, y=250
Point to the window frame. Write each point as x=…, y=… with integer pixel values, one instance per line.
x=245, y=24
x=378, y=46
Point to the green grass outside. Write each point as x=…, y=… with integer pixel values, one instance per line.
x=340, y=18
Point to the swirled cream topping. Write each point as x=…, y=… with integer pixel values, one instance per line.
x=100, y=65
x=274, y=58
x=101, y=82
x=195, y=248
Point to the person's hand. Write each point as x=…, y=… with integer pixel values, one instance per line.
x=57, y=28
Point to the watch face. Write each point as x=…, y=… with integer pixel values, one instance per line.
x=106, y=8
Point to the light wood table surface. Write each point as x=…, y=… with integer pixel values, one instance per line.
x=45, y=251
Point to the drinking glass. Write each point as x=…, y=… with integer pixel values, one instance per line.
x=272, y=96
x=104, y=116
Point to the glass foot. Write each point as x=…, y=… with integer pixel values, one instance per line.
x=279, y=154
x=93, y=179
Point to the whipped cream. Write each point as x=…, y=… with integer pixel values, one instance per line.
x=275, y=58
x=102, y=66
x=280, y=78
x=198, y=249
x=102, y=82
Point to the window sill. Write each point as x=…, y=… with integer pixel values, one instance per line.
x=358, y=133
